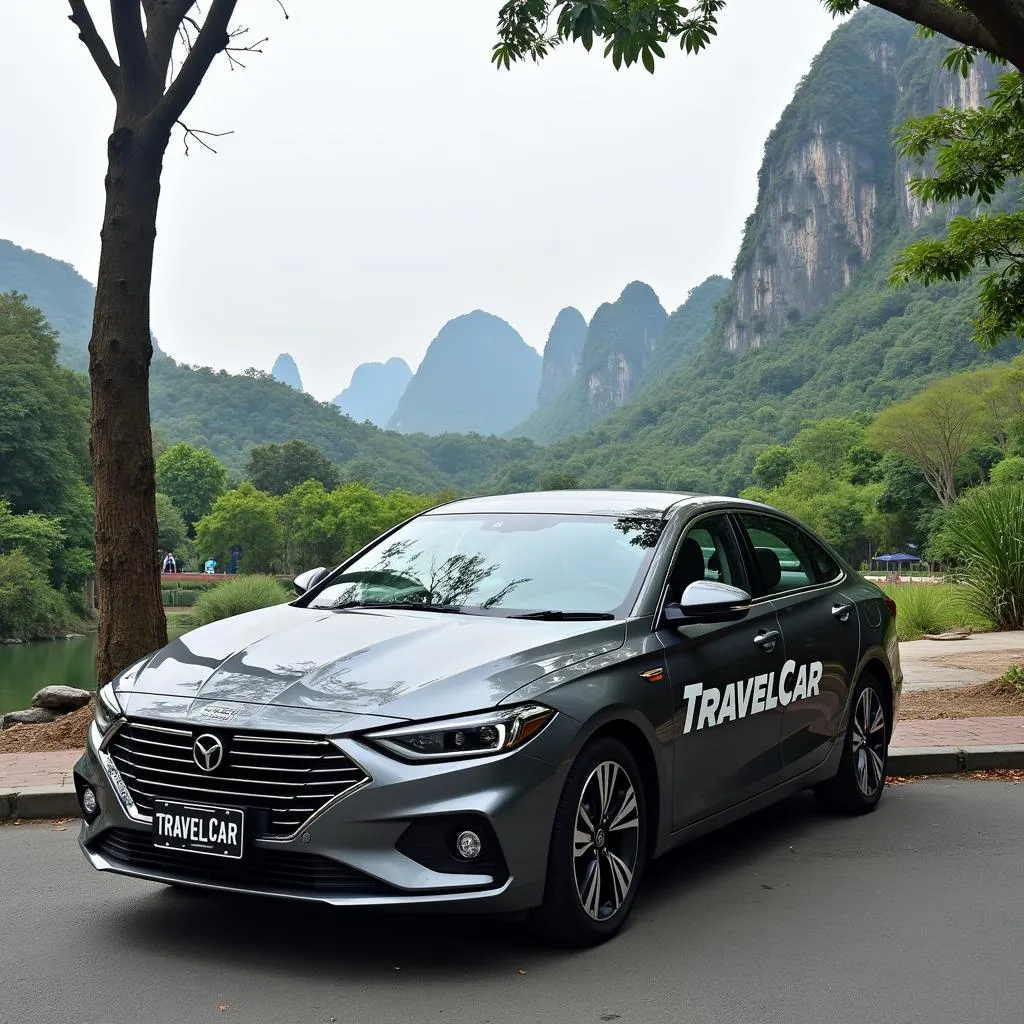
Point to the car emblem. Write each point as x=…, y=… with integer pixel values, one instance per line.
x=208, y=752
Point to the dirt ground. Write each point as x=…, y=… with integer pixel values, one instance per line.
x=67, y=733
x=983, y=700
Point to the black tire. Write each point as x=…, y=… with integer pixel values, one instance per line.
x=858, y=785
x=614, y=850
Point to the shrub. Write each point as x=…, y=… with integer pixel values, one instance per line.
x=242, y=594
x=1009, y=471
x=29, y=607
x=987, y=528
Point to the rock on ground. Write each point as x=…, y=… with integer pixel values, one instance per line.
x=61, y=698
x=32, y=716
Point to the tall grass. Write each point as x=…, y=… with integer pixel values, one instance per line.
x=242, y=594
x=986, y=527
x=933, y=608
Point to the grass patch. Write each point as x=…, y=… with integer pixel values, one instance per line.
x=242, y=594
x=934, y=608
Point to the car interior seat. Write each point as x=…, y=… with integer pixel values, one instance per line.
x=770, y=568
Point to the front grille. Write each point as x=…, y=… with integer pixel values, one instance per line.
x=283, y=779
x=279, y=871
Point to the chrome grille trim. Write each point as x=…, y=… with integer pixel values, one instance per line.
x=292, y=780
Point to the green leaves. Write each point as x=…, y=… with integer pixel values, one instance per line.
x=278, y=468
x=192, y=478
x=634, y=31
x=977, y=152
x=989, y=240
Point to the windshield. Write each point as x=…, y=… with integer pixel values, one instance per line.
x=503, y=564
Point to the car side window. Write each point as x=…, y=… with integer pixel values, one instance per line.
x=783, y=556
x=708, y=551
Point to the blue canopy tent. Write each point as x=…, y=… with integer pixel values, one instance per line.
x=895, y=562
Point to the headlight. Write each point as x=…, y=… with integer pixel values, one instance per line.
x=493, y=732
x=107, y=710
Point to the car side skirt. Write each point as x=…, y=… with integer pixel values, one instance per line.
x=824, y=771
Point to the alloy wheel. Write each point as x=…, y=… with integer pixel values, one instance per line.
x=606, y=842
x=869, y=742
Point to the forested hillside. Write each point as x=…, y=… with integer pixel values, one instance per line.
x=620, y=339
x=810, y=327
x=59, y=291
x=702, y=428
x=232, y=413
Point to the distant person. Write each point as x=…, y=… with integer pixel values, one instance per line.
x=169, y=564
x=211, y=565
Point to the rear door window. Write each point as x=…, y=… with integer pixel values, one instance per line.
x=782, y=552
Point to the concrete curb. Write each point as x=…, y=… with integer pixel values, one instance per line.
x=43, y=802
x=36, y=802
x=911, y=761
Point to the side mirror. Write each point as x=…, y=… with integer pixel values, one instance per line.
x=308, y=579
x=707, y=601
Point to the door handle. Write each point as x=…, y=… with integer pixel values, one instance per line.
x=767, y=641
x=842, y=611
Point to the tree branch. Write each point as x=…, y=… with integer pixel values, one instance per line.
x=87, y=32
x=212, y=39
x=962, y=26
x=197, y=134
x=162, y=22
x=137, y=68
x=1005, y=20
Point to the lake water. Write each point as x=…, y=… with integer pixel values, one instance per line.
x=26, y=668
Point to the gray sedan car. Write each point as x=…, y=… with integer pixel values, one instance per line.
x=505, y=704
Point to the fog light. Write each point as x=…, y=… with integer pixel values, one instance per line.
x=468, y=844
x=89, y=804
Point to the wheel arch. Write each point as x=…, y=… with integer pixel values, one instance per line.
x=873, y=665
x=632, y=736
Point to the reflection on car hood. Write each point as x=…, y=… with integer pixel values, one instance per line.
x=392, y=663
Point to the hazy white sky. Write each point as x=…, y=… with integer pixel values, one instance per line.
x=383, y=177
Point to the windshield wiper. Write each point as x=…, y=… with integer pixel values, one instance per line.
x=416, y=606
x=553, y=615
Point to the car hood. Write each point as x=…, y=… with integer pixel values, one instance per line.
x=391, y=663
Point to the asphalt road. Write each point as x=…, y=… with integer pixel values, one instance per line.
x=912, y=914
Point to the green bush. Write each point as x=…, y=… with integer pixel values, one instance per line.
x=175, y=598
x=986, y=526
x=29, y=607
x=242, y=594
x=1009, y=471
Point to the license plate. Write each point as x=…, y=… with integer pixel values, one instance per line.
x=197, y=828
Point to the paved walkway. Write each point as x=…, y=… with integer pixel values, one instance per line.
x=935, y=664
x=52, y=768
x=22, y=771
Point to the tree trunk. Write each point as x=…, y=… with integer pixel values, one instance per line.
x=131, y=620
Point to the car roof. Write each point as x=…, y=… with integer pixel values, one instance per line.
x=653, y=504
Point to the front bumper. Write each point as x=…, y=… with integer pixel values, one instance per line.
x=358, y=852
